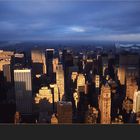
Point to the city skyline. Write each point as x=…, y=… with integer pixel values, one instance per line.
x=69, y=20
x=68, y=86
x=70, y=62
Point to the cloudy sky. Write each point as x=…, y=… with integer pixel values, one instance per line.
x=70, y=20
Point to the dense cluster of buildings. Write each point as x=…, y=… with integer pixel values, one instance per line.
x=65, y=86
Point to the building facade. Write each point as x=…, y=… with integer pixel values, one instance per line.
x=23, y=90
x=136, y=102
x=60, y=80
x=105, y=104
x=64, y=112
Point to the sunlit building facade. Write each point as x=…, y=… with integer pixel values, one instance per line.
x=81, y=83
x=105, y=104
x=5, y=58
x=55, y=63
x=60, y=80
x=136, y=102
x=38, y=61
x=23, y=90
x=131, y=87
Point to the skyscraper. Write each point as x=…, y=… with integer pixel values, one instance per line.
x=121, y=75
x=94, y=90
x=105, y=104
x=55, y=63
x=5, y=58
x=131, y=87
x=49, y=95
x=19, y=59
x=128, y=66
x=23, y=90
x=136, y=102
x=38, y=61
x=49, y=61
x=44, y=93
x=104, y=63
x=81, y=83
x=7, y=72
x=64, y=112
x=60, y=80
x=81, y=91
x=67, y=63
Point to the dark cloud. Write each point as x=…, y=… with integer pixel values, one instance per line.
x=71, y=19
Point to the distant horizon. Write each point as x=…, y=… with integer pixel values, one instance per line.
x=70, y=41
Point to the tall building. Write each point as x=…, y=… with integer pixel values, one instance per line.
x=5, y=58
x=71, y=82
x=23, y=90
x=64, y=112
x=131, y=87
x=81, y=92
x=19, y=59
x=55, y=63
x=121, y=75
x=7, y=72
x=44, y=93
x=104, y=63
x=38, y=61
x=136, y=102
x=88, y=65
x=105, y=104
x=67, y=58
x=49, y=61
x=60, y=80
x=49, y=95
x=94, y=90
x=128, y=66
x=81, y=83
